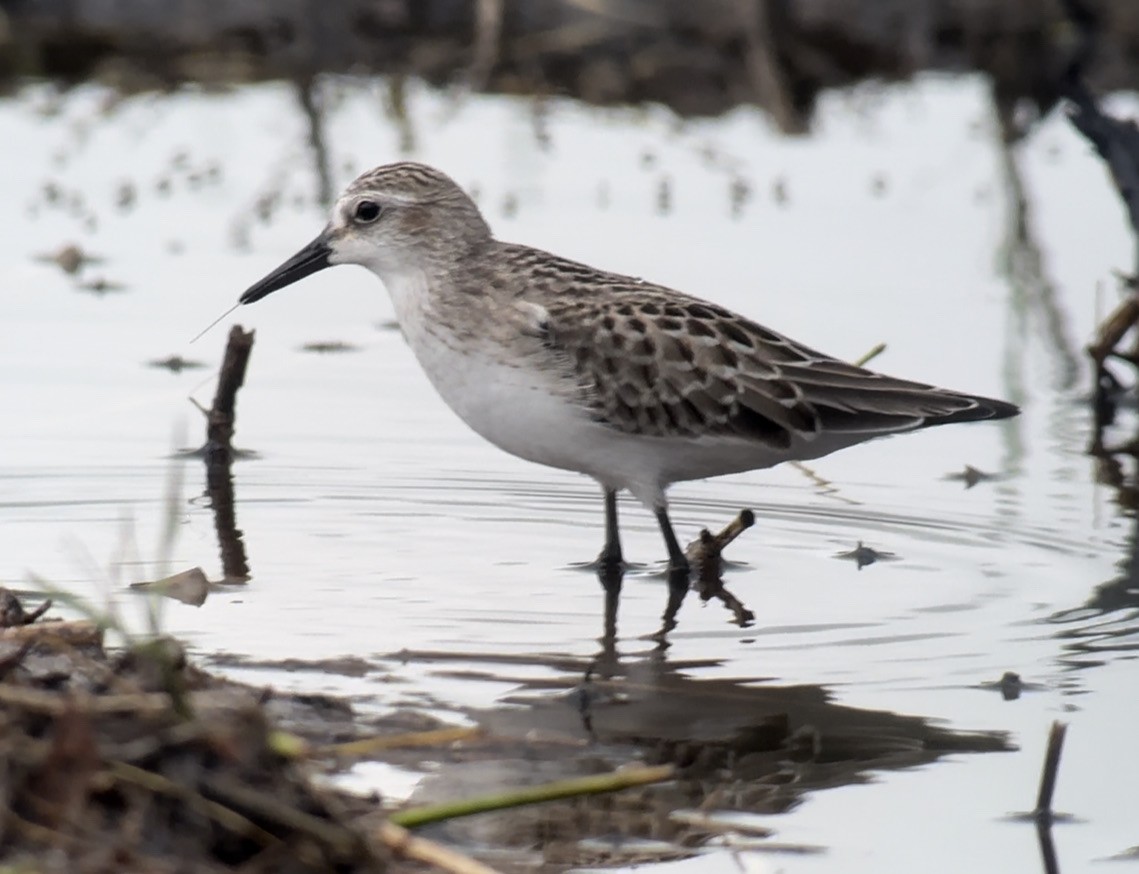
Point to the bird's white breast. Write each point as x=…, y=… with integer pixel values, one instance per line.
x=497, y=388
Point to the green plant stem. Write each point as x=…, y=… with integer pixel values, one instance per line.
x=870, y=356
x=413, y=817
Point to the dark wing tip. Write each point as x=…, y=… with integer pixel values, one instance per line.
x=980, y=410
x=1000, y=409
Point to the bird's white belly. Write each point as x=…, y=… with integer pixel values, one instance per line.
x=508, y=398
x=519, y=411
x=513, y=407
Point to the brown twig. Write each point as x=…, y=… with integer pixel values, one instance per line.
x=336, y=837
x=13, y=659
x=403, y=843
x=228, y=819
x=221, y=415
x=705, y=557
x=1113, y=329
x=53, y=704
x=218, y=453
x=370, y=745
x=79, y=632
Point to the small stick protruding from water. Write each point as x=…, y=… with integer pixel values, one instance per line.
x=1043, y=811
x=704, y=556
x=733, y=529
x=215, y=321
x=704, y=553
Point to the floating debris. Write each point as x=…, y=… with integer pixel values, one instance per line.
x=52, y=193
x=125, y=196
x=510, y=205
x=70, y=258
x=189, y=587
x=664, y=196
x=1010, y=685
x=971, y=476
x=101, y=285
x=779, y=192
x=738, y=195
x=330, y=347
x=863, y=555
x=175, y=364
x=266, y=205
x=1131, y=855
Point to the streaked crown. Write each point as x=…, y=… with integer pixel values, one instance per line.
x=405, y=180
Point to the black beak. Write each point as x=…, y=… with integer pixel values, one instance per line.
x=310, y=259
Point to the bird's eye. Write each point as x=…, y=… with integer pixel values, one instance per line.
x=366, y=211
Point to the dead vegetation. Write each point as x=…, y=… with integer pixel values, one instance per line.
x=139, y=762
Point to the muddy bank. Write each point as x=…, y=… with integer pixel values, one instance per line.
x=136, y=761
x=697, y=58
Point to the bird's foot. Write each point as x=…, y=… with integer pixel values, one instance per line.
x=606, y=562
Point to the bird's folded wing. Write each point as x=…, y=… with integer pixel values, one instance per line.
x=664, y=365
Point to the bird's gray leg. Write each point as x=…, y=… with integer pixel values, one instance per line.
x=677, y=561
x=611, y=569
x=677, y=570
x=611, y=552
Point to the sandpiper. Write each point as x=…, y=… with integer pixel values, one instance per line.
x=637, y=385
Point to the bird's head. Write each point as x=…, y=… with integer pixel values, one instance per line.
x=394, y=219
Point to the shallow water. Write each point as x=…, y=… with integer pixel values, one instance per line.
x=376, y=523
